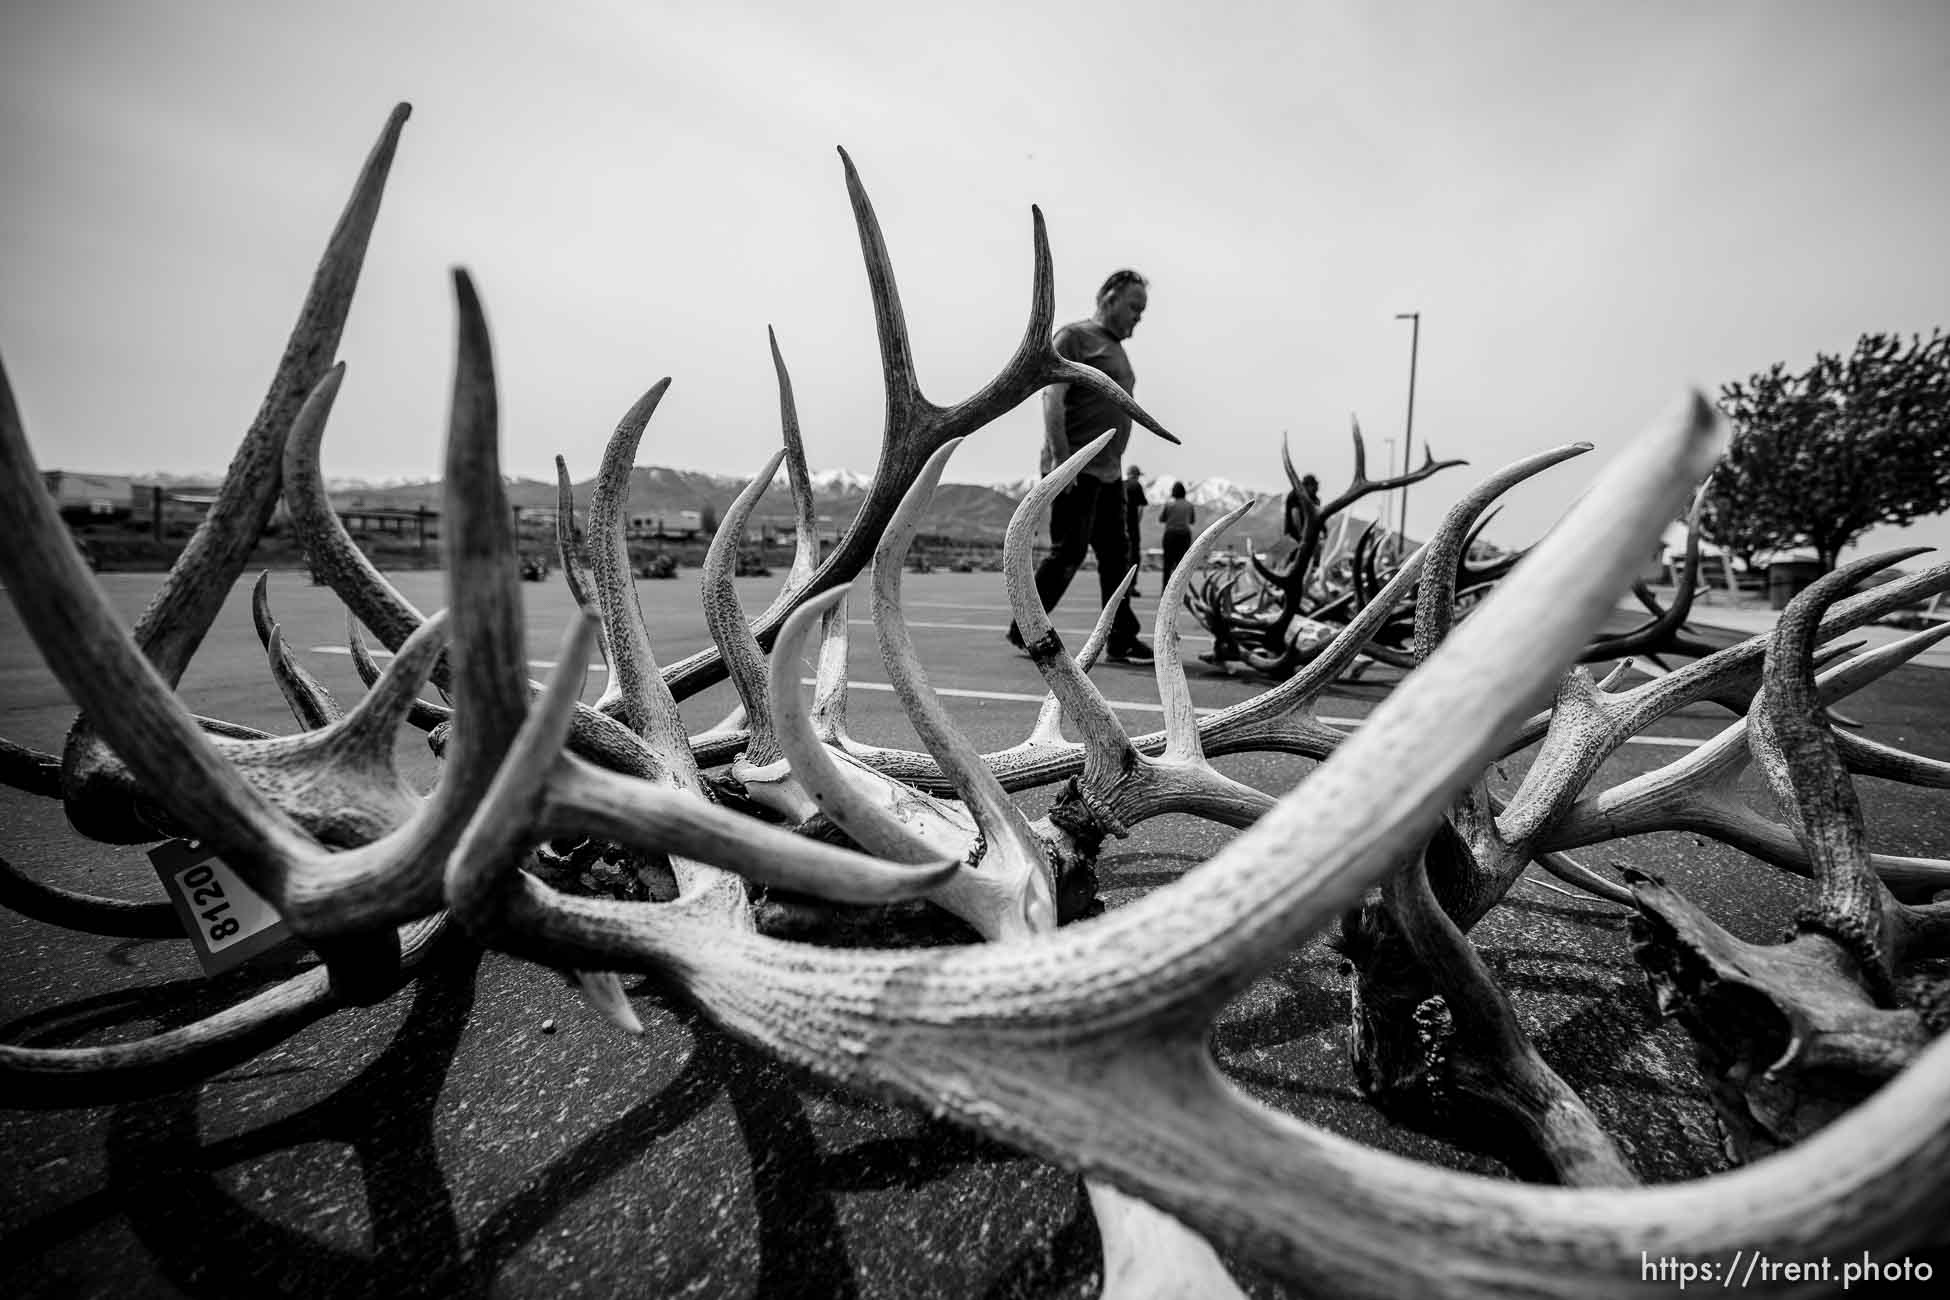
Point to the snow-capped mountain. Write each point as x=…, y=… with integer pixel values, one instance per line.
x=1218, y=494
x=1215, y=494
x=840, y=480
x=1017, y=488
x=380, y=484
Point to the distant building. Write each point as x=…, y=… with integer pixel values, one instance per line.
x=666, y=523
x=179, y=503
x=89, y=496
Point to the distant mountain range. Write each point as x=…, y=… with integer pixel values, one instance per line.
x=976, y=512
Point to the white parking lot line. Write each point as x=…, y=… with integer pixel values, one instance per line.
x=1023, y=697
x=1078, y=634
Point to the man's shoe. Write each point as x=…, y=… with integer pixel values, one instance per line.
x=1135, y=653
x=1015, y=638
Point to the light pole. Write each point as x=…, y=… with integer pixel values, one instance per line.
x=1388, y=458
x=1408, y=437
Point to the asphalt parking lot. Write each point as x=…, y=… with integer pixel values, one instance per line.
x=487, y=1132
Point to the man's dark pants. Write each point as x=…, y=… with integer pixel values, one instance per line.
x=1089, y=517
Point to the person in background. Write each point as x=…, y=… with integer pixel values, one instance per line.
x=1178, y=518
x=1134, y=503
x=1089, y=515
x=1295, y=518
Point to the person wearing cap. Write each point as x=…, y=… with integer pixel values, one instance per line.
x=1089, y=516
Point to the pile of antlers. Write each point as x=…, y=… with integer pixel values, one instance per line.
x=1271, y=621
x=1256, y=616
x=1084, y=1043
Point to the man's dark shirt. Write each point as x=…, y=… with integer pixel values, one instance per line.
x=1087, y=414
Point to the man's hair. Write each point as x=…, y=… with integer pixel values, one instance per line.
x=1133, y=472
x=1117, y=280
x=1178, y=489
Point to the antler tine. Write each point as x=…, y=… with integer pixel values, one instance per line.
x=479, y=545
x=1181, y=719
x=179, y=615
x=1020, y=857
x=1049, y=718
x=886, y=818
x=1104, y=736
x=310, y=702
x=116, y=918
x=1430, y=465
x=726, y=619
x=829, y=690
x=419, y=713
x=570, y=546
x=1476, y=531
x=1616, y=677
x=573, y=547
x=903, y=389
x=988, y=1035
x=30, y=770
x=1665, y=624
x=1867, y=757
x=1851, y=674
x=371, y=724
x=805, y=523
x=1293, y=475
x=1267, y=573
x=1435, y=605
x=1572, y=872
x=333, y=555
x=633, y=665
x=1361, y=575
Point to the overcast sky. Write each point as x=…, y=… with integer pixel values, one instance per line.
x=1592, y=206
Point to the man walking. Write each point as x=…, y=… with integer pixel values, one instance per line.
x=1134, y=503
x=1089, y=515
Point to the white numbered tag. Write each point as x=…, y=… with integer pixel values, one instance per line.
x=227, y=921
